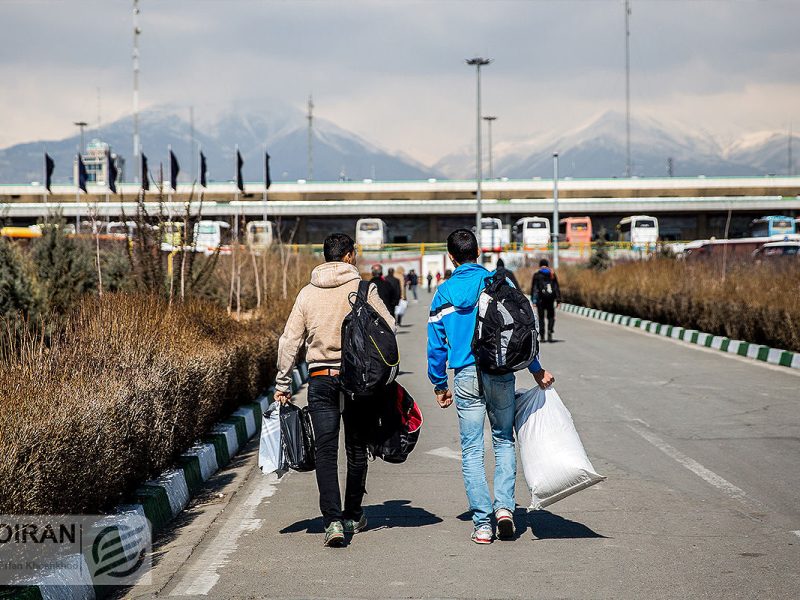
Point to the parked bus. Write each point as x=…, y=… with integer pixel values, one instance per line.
x=371, y=233
x=210, y=235
x=576, y=230
x=532, y=233
x=260, y=234
x=493, y=235
x=772, y=225
x=640, y=230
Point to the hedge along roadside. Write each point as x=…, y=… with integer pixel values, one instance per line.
x=161, y=499
x=774, y=356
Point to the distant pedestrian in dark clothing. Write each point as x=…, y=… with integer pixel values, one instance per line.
x=545, y=296
x=509, y=273
x=448, y=273
x=430, y=282
x=385, y=289
x=397, y=294
x=413, y=282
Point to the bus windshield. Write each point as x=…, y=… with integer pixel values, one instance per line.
x=536, y=225
x=645, y=223
x=490, y=225
x=207, y=229
x=370, y=226
x=579, y=226
x=783, y=225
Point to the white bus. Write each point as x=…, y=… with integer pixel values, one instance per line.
x=532, y=233
x=210, y=235
x=494, y=237
x=260, y=234
x=371, y=233
x=640, y=230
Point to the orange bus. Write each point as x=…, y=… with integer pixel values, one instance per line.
x=576, y=230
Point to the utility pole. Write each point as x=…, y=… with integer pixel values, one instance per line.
x=554, y=228
x=489, y=121
x=478, y=62
x=99, y=119
x=191, y=137
x=81, y=125
x=628, y=169
x=310, y=117
x=790, y=170
x=136, y=33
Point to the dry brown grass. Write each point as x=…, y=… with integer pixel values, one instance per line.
x=126, y=385
x=755, y=302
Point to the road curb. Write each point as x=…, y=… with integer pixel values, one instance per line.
x=773, y=356
x=163, y=498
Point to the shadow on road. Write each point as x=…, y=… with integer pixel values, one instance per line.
x=544, y=525
x=392, y=513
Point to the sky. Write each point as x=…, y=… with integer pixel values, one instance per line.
x=393, y=71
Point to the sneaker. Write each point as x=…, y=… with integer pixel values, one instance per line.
x=482, y=534
x=505, y=524
x=334, y=535
x=351, y=526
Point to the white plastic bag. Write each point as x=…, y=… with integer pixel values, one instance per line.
x=270, y=453
x=553, y=458
x=401, y=307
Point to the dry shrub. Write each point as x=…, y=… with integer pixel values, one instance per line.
x=755, y=302
x=122, y=389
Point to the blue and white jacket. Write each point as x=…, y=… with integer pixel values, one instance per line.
x=451, y=324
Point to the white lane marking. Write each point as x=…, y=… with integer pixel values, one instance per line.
x=695, y=467
x=202, y=575
x=445, y=452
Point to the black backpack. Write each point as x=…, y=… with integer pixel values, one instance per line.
x=505, y=338
x=370, y=357
x=546, y=291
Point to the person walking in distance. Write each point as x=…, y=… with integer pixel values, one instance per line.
x=545, y=296
x=413, y=282
x=394, y=281
x=430, y=282
x=315, y=324
x=385, y=289
x=450, y=333
x=508, y=272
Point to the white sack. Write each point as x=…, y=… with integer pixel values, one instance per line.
x=553, y=458
x=270, y=453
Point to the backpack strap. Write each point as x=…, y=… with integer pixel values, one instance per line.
x=363, y=291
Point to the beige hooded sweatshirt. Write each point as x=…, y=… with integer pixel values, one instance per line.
x=316, y=320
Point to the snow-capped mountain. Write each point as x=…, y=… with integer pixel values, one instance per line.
x=280, y=129
x=597, y=149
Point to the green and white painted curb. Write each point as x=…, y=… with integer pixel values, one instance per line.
x=773, y=356
x=161, y=499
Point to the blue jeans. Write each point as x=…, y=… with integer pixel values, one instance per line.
x=498, y=401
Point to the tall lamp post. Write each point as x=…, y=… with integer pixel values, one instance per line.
x=478, y=62
x=81, y=125
x=554, y=228
x=489, y=121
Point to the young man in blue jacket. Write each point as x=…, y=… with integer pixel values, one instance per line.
x=450, y=330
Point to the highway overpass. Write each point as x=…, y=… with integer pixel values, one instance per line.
x=425, y=210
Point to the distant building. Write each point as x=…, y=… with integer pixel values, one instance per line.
x=96, y=167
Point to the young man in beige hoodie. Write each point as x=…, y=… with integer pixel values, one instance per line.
x=316, y=322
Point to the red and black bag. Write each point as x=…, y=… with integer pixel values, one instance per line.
x=398, y=427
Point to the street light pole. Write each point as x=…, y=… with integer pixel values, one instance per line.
x=136, y=33
x=554, y=228
x=81, y=125
x=478, y=62
x=489, y=121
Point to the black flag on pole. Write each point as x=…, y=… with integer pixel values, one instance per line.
x=267, y=178
x=112, y=172
x=49, y=167
x=174, y=169
x=203, y=169
x=82, y=175
x=239, y=163
x=144, y=175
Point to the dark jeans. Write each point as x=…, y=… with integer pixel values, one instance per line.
x=324, y=395
x=546, y=309
x=413, y=288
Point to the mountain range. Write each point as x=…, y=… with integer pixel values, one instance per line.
x=592, y=149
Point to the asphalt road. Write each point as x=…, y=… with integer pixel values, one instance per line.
x=702, y=500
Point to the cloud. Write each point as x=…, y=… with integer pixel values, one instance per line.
x=393, y=71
